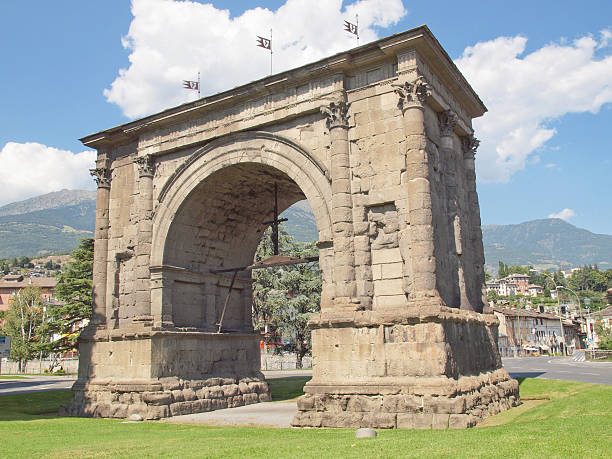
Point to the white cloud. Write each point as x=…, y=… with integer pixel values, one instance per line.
x=32, y=169
x=524, y=92
x=606, y=37
x=170, y=41
x=565, y=214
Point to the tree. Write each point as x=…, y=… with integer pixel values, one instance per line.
x=285, y=297
x=502, y=270
x=74, y=290
x=22, y=322
x=605, y=335
x=264, y=280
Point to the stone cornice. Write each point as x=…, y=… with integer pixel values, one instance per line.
x=419, y=38
x=392, y=316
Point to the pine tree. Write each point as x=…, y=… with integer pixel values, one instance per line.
x=74, y=290
x=285, y=297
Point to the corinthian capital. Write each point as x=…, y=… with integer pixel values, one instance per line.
x=469, y=144
x=146, y=165
x=101, y=176
x=413, y=94
x=448, y=120
x=336, y=114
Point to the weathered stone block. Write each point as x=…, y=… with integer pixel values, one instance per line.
x=157, y=398
x=402, y=404
x=364, y=403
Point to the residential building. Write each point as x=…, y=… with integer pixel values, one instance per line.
x=534, y=290
x=527, y=331
x=600, y=318
x=10, y=285
x=521, y=281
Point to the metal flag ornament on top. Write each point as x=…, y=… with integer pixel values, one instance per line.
x=266, y=43
x=192, y=85
x=353, y=28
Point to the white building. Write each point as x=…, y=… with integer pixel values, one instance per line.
x=526, y=331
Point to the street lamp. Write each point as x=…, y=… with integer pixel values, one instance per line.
x=561, y=320
x=576, y=295
x=579, y=308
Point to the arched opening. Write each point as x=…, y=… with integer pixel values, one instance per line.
x=211, y=216
x=218, y=227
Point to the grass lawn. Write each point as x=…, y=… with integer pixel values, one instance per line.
x=13, y=377
x=559, y=419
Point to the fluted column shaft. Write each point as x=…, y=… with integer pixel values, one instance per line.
x=102, y=177
x=342, y=205
x=448, y=121
x=422, y=288
x=470, y=144
x=145, y=233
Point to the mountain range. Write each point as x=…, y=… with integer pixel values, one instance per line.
x=55, y=222
x=51, y=223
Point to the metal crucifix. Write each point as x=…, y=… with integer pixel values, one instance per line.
x=275, y=260
x=275, y=221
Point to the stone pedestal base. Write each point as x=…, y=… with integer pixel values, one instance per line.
x=164, y=397
x=165, y=373
x=423, y=368
x=423, y=404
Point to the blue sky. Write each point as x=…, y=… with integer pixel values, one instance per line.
x=544, y=69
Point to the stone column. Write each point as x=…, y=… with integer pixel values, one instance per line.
x=448, y=120
x=342, y=205
x=146, y=170
x=479, y=298
x=419, y=244
x=102, y=176
x=161, y=298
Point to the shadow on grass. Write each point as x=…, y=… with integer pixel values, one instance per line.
x=521, y=376
x=33, y=406
x=283, y=389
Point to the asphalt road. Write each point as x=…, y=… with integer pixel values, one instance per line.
x=561, y=368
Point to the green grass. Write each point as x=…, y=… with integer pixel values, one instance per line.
x=287, y=388
x=13, y=377
x=561, y=419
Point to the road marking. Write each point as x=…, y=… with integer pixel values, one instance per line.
x=592, y=374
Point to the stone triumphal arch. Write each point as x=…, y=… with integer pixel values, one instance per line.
x=379, y=140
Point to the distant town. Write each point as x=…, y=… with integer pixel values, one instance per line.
x=550, y=312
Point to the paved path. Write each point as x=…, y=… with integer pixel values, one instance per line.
x=560, y=368
x=267, y=414
x=35, y=384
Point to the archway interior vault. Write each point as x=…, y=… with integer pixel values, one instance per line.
x=220, y=225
